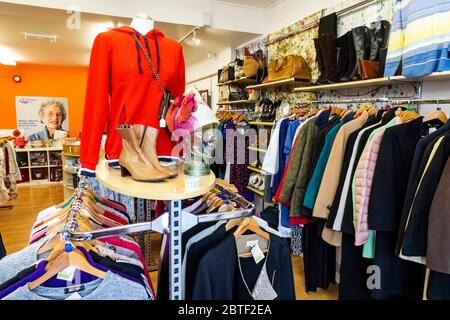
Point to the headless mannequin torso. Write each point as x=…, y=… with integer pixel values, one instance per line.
x=143, y=24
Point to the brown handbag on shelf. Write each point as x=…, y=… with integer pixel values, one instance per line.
x=368, y=69
x=251, y=67
x=288, y=67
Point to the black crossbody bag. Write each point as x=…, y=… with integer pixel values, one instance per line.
x=167, y=95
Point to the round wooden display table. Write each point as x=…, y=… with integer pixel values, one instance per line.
x=171, y=189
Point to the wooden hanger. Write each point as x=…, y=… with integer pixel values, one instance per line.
x=227, y=185
x=373, y=111
x=83, y=226
x=436, y=115
x=345, y=112
x=399, y=111
x=75, y=258
x=233, y=222
x=250, y=224
x=408, y=115
x=206, y=195
x=312, y=113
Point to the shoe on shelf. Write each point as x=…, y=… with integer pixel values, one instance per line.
x=148, y=145
x=132, y=160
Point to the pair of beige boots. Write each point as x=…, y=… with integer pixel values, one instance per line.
x=138, y=158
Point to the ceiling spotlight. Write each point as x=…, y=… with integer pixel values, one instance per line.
x=196, y=40
x=43, y=37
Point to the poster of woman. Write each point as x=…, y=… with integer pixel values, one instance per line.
x=41, y=117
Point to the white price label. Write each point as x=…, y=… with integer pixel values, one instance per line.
x=257, y=254
x=66, y=274
x=252, y=243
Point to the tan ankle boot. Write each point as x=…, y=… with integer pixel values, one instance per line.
x=148, y=147
x=132, y=161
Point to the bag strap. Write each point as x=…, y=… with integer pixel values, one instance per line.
x=149, y=60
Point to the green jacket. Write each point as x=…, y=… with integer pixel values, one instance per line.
x=296, y=178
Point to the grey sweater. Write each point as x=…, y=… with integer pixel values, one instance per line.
x=112, y=287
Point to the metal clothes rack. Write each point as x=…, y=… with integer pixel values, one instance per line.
x=232, y=110
x=313, y=24
x=5, y=206
x=174, y=222
x=394, y=101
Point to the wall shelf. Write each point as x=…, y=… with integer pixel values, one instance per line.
x=71, y=155
x=235, y=102
x=292, y=82
x=46, y=155
x=258, y=192
x=436, y=76
x=244, y=80
x=260, y=171
x=257, y=149
x=266, y=124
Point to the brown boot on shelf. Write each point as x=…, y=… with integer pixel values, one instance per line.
x=132, y=161
x=148, y=147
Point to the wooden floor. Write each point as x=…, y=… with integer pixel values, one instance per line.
x=15, y=225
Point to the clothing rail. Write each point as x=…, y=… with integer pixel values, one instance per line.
x=293, y=33
x=2, y=146
x=313, y=24
x=392, y=101
x=76, y=206
x=233, y=196
x=358, y=5
x=161, y=224
x=232, y=110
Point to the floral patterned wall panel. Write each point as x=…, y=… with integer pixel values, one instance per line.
x=378, y=10
x=252, y=48
x=299, y=44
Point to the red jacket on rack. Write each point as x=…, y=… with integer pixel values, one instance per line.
x=121, y=89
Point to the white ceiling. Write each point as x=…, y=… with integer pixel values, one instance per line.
x=73, y=46
x=262, y=4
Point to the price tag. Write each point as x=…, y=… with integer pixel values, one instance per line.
x=162, y=123
x=66, y=274
x=192, y=182
x=257, y=254
x=252, y=243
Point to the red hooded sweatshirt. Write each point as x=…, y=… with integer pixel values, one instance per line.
x=121, y=89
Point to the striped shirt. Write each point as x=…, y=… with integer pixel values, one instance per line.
x=419, y=39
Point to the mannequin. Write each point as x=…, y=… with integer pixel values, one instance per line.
x=118, y=100
x=143, y=24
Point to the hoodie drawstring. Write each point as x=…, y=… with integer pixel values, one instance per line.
x=157, y=51
x=158, y=56
x=139, y=54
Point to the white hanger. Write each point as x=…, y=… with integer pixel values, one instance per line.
x=142, y=23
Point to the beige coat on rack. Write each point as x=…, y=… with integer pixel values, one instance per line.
x=330, y=180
